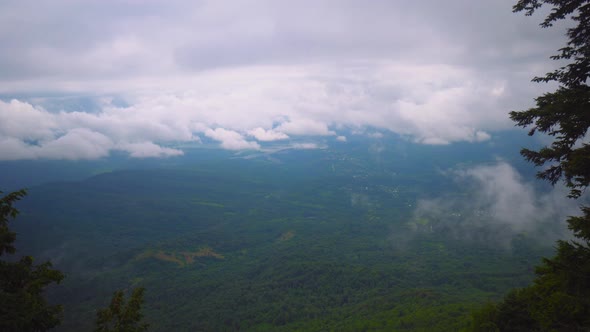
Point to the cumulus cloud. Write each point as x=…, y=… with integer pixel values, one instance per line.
x=269, y=135
x=305, y=127
x=148, y=149
x=231, y=140
x=20, y=120
x=275, y=105
x=29, y=132
x=78, y=143
x=498, y=203
x=14, y=149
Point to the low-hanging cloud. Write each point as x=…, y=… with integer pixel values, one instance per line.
x=274, y=105
x=28, y=132
x=231, y=140
x=269, y=135
x=497, y=204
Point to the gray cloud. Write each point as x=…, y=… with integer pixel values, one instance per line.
x=119, y=38
x=436, y=72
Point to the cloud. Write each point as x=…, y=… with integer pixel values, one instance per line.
x=21, y=120
x=59, y=38
x=78, y=143
x=148, y=149
x=341, y=138
x=14, y=149
x=29, y=132
x=264, y=135
x=498, y=204
x=268, y=69
x=306, y=146
x=305, y=127
x=231, y=140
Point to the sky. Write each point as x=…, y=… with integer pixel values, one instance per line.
x=84, y=79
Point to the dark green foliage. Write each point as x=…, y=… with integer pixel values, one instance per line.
x=485, y=319
x=22, y=305
x=562, y=287
x=8, y=211
x=120, y=316
x=580, y=226
x=514, y=311
x=512, y=314
x=563, y=113
x=559, y=299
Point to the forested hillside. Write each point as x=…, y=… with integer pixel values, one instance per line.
x=304, y=240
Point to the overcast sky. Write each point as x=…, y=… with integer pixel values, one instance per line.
x=81, y=79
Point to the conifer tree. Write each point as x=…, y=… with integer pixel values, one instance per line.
x=22, y=305
x=564, y=113
x=120, y=316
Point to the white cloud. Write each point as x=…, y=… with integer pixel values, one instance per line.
x=20, y=120
x=269, y=135
x=341, y=138
x=481, y=136
x=501, y=201
x=305, y=127
x=509, y=198
x=29, y=132
x=148, y=149
x=231, y=140
x=306, y=146
x=433, y=141
x=78, y=143
x=272, y=103
x=15, y=149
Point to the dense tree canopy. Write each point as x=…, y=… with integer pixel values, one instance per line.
x=22, y=305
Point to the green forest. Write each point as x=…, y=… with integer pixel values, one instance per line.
x=333, y=243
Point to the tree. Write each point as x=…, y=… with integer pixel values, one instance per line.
x=22, y=306
x=120, y=316
x=563, y=114
x=559, y=299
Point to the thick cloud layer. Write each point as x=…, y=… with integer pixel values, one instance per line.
x=248, y=72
